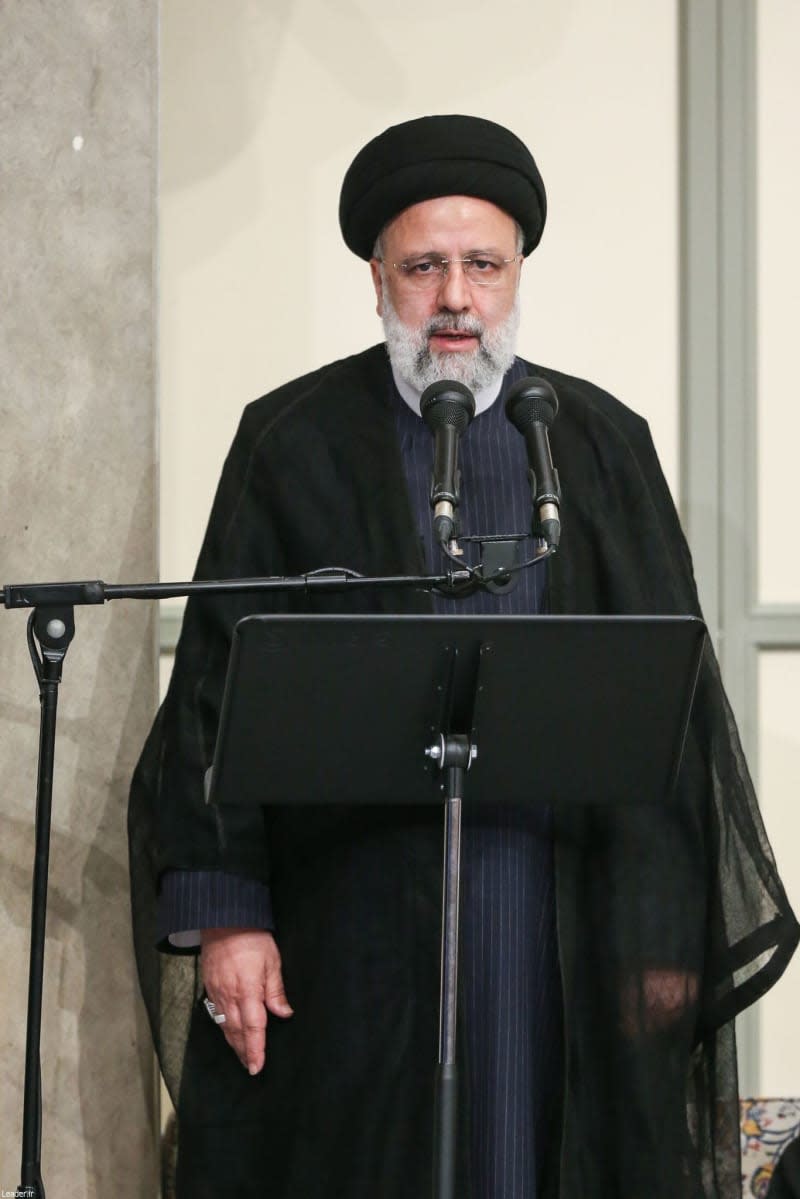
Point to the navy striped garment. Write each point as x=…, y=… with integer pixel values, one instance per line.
x=509, y=974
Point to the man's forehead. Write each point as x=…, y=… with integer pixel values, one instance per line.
x=451, y=218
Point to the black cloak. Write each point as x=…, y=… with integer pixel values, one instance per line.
x=670, y=919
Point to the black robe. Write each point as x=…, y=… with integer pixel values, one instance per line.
x=670, y=919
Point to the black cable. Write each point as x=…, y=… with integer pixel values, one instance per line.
x=477, y=579
x=545, y=554
x=333, y=570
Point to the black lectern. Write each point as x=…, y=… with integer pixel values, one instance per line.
x=421, y=710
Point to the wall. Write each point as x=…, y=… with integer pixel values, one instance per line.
x=777, y=587
x=77, y=492
x=263, y=108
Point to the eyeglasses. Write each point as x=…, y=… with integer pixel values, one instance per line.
x=430, y=270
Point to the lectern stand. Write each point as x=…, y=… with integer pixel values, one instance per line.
x=430, y=709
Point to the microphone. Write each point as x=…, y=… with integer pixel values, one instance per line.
x=447, y=408
x=531, y=407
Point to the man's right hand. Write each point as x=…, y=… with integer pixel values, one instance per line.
x=241, y=970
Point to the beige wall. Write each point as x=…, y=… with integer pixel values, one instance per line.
x=263, y=107
x=778, y=411
x=778, y=232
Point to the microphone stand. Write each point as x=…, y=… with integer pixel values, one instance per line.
x=50, y=631
x=53, y=628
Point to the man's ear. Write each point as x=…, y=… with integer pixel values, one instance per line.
x=377, y=283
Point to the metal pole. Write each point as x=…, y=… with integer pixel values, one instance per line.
x=54, y=629
x=455, y=758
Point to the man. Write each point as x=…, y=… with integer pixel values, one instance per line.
x=785, y=1181
x=597, y=1063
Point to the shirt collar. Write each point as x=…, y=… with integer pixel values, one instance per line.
x=483, y=398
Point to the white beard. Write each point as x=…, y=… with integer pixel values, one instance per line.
x=414, y=360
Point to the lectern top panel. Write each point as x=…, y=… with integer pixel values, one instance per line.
x=341, y=709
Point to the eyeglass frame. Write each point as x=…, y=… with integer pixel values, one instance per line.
x=446, y=263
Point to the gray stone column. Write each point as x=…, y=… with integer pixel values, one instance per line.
x=78, y=500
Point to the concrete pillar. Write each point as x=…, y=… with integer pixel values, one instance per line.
x=78, y=500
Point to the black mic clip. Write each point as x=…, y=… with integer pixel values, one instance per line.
x=546, y=500
x=501, y=557
x=446, y=517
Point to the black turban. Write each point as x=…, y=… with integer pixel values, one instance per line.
x=440, y=156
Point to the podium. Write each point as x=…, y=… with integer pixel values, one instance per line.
x=451, y=710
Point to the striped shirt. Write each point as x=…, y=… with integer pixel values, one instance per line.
x=509, y=979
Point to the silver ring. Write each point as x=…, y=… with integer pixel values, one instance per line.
x=217, y=1017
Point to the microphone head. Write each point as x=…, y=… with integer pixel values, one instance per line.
x=447, y=402
x=531, y=400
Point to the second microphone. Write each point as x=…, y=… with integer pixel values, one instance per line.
x=447, y=407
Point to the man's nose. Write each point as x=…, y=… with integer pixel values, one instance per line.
x=455, y=292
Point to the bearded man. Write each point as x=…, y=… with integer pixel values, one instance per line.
x=604, y=953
